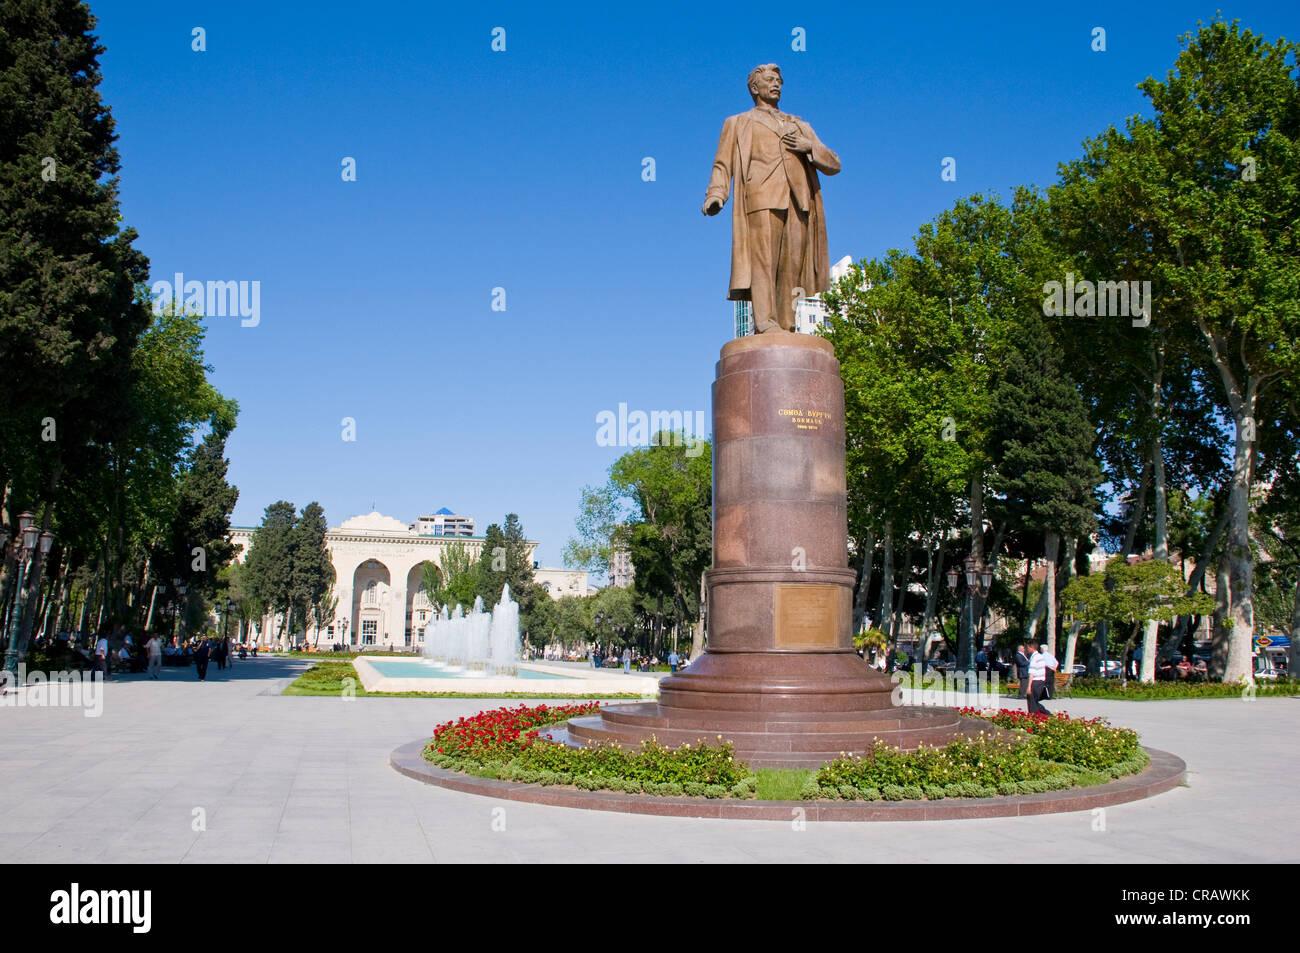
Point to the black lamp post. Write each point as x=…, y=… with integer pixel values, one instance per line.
x=27, y=543
x=979, y=579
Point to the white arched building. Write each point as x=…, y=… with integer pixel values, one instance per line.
x=378, y=581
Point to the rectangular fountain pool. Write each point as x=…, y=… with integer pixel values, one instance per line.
x=414, y=668
x=403, y=676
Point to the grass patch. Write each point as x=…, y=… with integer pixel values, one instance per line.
x=781, y=784
x=328, y=679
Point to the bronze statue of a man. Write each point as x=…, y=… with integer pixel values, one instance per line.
x=778, y=226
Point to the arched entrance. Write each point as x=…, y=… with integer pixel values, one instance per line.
x=419, y=607
x=372, y=616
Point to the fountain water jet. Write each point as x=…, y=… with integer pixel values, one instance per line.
x=476, y=644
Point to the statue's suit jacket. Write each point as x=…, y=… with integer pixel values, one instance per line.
x=800, y=184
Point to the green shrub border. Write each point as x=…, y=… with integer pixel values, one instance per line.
x=1064, y=776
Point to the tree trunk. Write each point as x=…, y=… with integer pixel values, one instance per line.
x=1051, y=551
x=934, y=579
x=864, y=583
x=1128, y=644
x=1219, y=633
x=1198, y=575
x=885, y=608
x=1071, y=553
x=65, y=593
x=1071, y=641
x=1040, y=609
x=896, y=624
x=1160, y=539
x=1241, y=563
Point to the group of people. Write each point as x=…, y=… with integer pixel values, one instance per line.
x=148, y=659
x=611, y=657
x=1036, y=673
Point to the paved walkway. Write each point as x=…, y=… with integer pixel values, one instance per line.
x=286, y=779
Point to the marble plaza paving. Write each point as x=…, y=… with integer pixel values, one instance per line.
x=290, y=779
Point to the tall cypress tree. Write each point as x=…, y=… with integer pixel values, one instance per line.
x=70, y=314
x=1043, y=439
x=270, y=560
x=504, y=560
x=312, y=572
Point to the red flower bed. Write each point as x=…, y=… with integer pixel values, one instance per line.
x=501, y=730
x=1012, y=718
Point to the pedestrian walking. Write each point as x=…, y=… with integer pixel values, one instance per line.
x=672, y=661
x=154, y=648
x=201, y=654
x=1039, y=664
x=627, y=660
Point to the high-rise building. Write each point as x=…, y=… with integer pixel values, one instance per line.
x=809, y=313
x=443, y=523
x=621, y=570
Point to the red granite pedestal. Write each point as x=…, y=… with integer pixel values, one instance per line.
x=780, y=678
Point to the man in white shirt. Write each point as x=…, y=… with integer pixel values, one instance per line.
x=154, y=647
x=101, y=657
x=1039, y=663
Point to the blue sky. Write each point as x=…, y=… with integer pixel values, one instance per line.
x=522, y=170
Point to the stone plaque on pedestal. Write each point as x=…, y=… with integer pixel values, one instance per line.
x=807, y=616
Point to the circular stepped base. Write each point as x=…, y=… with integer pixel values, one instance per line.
x=773, y=739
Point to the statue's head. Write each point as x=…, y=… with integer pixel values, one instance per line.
x=765, y=83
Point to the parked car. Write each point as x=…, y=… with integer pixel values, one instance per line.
x=1079, y=671
x=1267, y=670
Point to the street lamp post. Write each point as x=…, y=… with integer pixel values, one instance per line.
x=180, y=591
x=27, y=543
x=979, y=579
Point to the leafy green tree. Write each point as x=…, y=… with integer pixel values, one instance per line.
x=602, y=513
x=1211, y=186
x=671, y=540
x=455, y=581
x=1133, y=594
x=917, y=336
x=614, y=615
